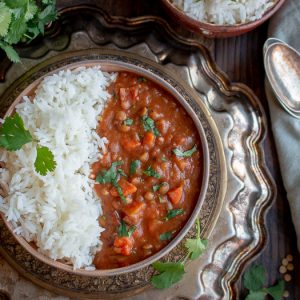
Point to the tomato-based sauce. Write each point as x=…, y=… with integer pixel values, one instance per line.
x=150, y=176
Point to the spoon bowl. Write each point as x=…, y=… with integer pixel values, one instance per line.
x=282, y=65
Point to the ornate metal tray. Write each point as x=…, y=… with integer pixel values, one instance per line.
x=235, y=126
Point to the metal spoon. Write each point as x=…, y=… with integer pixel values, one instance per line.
x=282, y=65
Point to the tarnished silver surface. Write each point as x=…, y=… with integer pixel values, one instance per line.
x=282, y=65
x=239, y=232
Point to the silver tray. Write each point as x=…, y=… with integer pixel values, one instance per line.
x=238, y=233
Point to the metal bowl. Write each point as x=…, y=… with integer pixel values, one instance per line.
x=214, y=30
x=118, y=61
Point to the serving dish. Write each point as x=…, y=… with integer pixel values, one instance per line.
x=119, y=62
x=213, y=30
x=240, y=197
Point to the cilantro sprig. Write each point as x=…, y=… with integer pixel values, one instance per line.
x=170, y=273
x=13, y=136
x=112, y=176
x=188, y=153
x=254, y=280
x=123, y=230
x=23, y=21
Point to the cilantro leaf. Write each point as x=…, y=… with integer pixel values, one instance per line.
x=254, y=278
x=124, y=231
x=276, y=291
x=16, y=30
x=13, y=135
x=170, y=273
x=128, y=122
x=16, y=3
x=10, y=52
x=109, y=175
x=172, y=213
x=5, y=19
x=258, y=295
x=149, y=125
x=134, y=165
x=195, y=246
x=151, y=172
x=166, y=236
x=187, y=153
x=156, y=187
x=44, y=161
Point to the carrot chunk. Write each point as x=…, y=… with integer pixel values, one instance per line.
x=123, y=245
x=130, y=144
x=175, y=194
x=134, y=209
x=127, y=188
x=149, y=139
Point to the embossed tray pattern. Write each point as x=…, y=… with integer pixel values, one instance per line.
x=238, y=234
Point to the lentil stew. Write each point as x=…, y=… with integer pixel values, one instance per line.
x=150, y=177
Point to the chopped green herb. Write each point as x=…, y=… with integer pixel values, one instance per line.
x=134, y=165
x=142, y=79
x=172, y=213
x=13, y=134
x=123, y=230
x=156, y=187
x=44, y=161
x=128, y=122
x=111, y=176
x=164, y=159
x=169, y=273
x=254, y=280
x=149, y=125
x=166, y=236
x=151, y=172
x=187, y=153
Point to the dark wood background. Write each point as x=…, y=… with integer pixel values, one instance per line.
x=241, y=59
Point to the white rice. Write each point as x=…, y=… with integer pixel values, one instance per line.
x=225, y=12
x=59, y=211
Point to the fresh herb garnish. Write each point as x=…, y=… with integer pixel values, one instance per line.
x=142, y=79
x=172, y=213
x=187, y=153
x=13, y=135
x=166, y=236
x=254, y=280
x=44, y=160
x=23, y=20
x=149, y=125
x=156, y=187
x=134, y=165
x=164, y=159
x=111, y=176
x=172, y=272
x=123, y=230
x=151, y=172
x=128, y=122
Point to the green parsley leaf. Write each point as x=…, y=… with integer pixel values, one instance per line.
x=5, y=19
x=170, y=273
x=172, y=213
x=156, y=187
x=166, y=236
x=123, y=230
x=133, y=166
x=258, y=295
x=196, y=246
x=276, y=291
x=110, y=175
x=149, y=125
x=44, y=161
x=254, y=278
x=13, y=135
x=128, y=122
x=10, y=52
x=142, y=79
x=151, y=172
x=187, y=153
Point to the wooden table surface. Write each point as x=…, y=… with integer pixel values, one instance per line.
x=241, y=59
